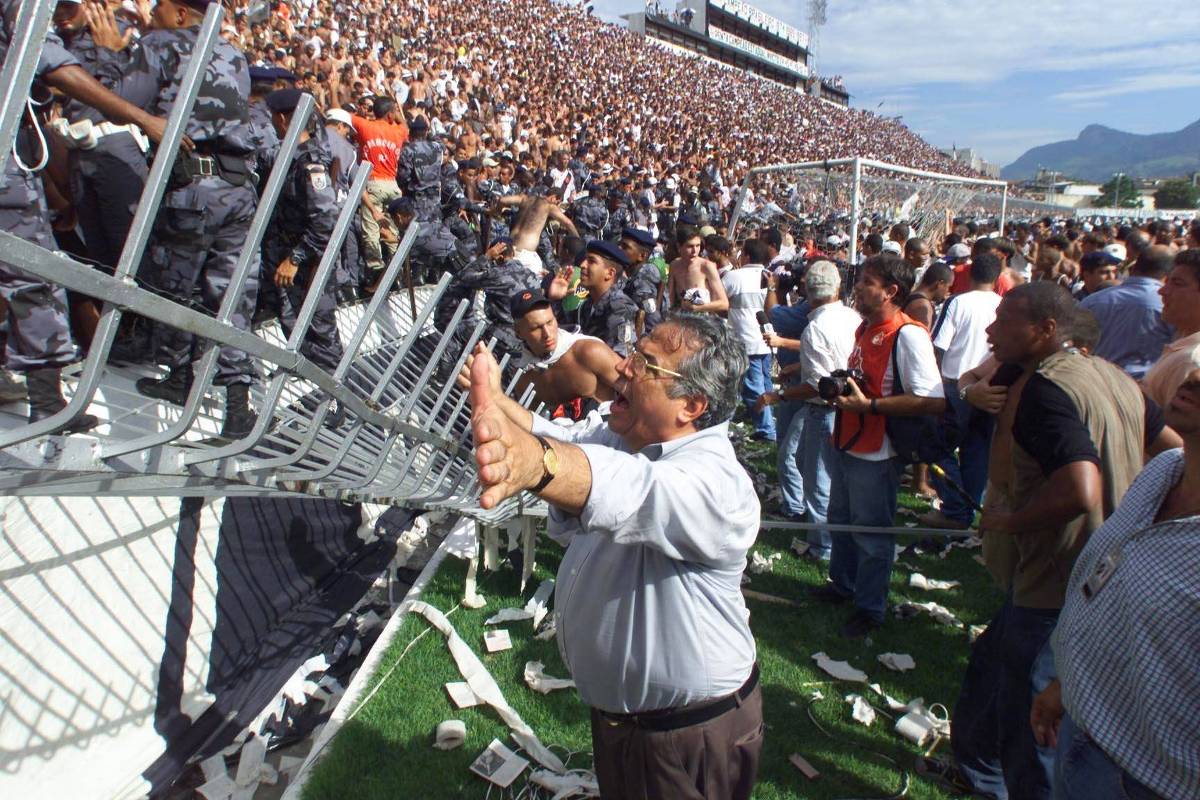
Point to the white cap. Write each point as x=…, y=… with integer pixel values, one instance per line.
x=1117, y=249
x=338, y=115
x=892, y=247
x=959, y=250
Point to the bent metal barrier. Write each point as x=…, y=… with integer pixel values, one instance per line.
x=399, y=435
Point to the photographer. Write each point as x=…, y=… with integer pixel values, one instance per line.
x=865, y=470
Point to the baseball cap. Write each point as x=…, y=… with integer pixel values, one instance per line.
x=338, y=115
x=822, y=278
x=525, y=301
x=488, y=161
x=892, y=247
x=958, y=251
x=1117, y=250
x=833, y=240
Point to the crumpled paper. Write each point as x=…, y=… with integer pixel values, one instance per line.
x=860, y=709
x=760, y=564
x=508, y=615
x=839, y=669
x=460, y=692
x=547, y=633
x=799, y=546
x=484, y=686
x=537, y=679
x=969, y=543
x=538, y=605
x=891, y=702
x=938, y=612
x=919, y=581
x=900, y=662
x=450, y=734
x=576, y=783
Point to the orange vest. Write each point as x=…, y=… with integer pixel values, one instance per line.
x=863, y=433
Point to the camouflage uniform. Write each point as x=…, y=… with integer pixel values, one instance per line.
x=419, y=173
x=590, y=217
x=618, y=221
x=345, y=161
x=262, y=130
x=642, y=287
x=436, y=250
x=610, y=318
x=106, y=181
x=203, y=223
x=300, y=229
x=39, y=333
x=499, y=282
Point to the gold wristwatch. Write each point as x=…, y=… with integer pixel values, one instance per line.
x=549, y=464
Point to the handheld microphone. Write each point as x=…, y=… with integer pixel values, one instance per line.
x=765, y=326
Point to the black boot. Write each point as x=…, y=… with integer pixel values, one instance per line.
x=46, y=400
x=174, y=388
x=239, y=419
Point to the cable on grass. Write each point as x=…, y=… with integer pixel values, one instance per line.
x=904, y=775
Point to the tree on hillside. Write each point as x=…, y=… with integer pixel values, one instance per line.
x=1119, y=192
x=1176, y=193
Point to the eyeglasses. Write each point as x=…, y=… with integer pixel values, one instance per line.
x=638, y=366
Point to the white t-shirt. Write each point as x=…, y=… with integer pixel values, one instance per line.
x=918, y=373
x=565, y=341
x=961, y=331
x=826, y=342
x=746, y=298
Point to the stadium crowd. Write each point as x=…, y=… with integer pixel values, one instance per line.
x=562, y=168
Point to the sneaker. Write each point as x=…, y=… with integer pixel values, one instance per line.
x=828, y=594
x=945, y=773
x=936, y=519
x=859, y=625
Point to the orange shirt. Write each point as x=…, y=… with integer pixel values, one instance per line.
x=962, y=281
x=380, y=142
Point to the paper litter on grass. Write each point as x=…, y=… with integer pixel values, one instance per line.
x=760, y=564
x=547, y=633
x=816, y=695
x=899, y=662
x=497, y=641
x=576, y=783
x=919, y=581
x=538, y=605
x=891, y=702
x=970, y=543
x=799, y=546
x=537, y=679
x=498, y=764
x=450, y=733
x=860, y=709
x=938, y=612
x=460, y=692
x=839, y=669
x=484, y=686
x=975, y=631
x=508, y=615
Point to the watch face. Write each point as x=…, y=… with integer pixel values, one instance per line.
x=550, y=461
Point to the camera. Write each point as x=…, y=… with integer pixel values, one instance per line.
x=836, y=384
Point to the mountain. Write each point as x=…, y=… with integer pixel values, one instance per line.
x=1098, y=152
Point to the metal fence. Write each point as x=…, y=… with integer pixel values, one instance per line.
x=399, y=436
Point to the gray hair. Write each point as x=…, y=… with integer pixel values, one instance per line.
x=714, y=368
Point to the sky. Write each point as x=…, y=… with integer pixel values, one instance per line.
x=1005, y=76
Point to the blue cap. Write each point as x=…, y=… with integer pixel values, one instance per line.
x=608, y=250
x=643, y=238
x=401, y=205
x=262, y=74
x=1098, y=258
x=284, y=101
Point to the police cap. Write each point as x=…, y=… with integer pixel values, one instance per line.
x=608, y=250
x=284, y=101
x=641, y=237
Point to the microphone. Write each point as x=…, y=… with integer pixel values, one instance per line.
x=765, y=326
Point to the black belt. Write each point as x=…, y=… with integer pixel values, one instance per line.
x=670, y=719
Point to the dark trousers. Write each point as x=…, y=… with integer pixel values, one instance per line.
x=715, y=760
x=1011, y=663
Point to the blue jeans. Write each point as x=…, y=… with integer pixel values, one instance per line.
x=816, y=453
x=756, y=381
x=1011, y=663
x=790, y=426
x=973, y=432
x=863, y=493
x=1082, y=771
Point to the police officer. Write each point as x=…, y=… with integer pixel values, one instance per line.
x=339, y=132
x=461, y=199
x=39, y=335
x=590, y=213
x=209, y=203
x=107, y=173
x=619, y=217
x=435, y=249
x=299, y=232
x=643, y=280
x=608, y=314
x=419, y=171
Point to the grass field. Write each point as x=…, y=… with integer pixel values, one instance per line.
x=385, y=751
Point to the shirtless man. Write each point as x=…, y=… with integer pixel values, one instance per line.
x=527, y=229
x=559, y=364
x=690, y=271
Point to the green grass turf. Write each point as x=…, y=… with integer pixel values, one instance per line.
x=385, y=752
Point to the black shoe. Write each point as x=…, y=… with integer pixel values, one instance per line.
x=44, y=387
x=173, y=389
x=239, y=419
x=944, y=773
x=859, y=626
x=828, y=594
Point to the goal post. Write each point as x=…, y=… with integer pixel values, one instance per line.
x=851, y=189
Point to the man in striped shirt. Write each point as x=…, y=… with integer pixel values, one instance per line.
x=1123, y=712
